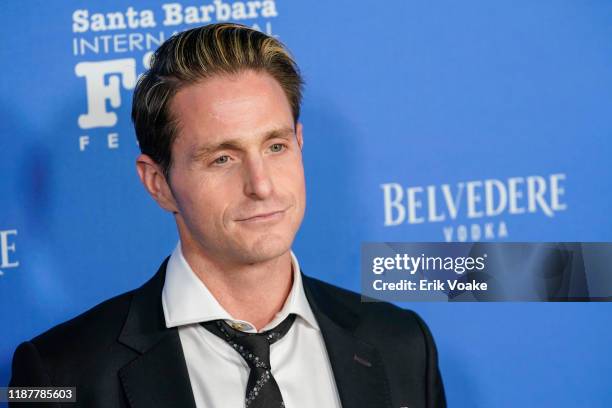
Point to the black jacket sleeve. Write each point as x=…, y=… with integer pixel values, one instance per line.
x=29, y=371
x=435, y=389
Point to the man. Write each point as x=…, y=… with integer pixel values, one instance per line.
x=229, y=320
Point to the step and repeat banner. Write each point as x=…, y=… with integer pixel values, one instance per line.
x=423, y=122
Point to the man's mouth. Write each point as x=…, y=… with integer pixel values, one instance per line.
x=262, y=217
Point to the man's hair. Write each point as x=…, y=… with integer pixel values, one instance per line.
x=192, y=56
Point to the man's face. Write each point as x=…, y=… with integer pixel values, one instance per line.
x=237, y=176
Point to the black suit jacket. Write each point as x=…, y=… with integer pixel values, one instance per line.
x=120, y=353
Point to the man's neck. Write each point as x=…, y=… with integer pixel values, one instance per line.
x=253, y=292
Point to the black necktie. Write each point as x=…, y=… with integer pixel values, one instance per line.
x=262, y=390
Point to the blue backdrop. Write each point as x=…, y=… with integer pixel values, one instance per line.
x=412, y=108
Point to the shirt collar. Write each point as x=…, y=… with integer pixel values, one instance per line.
x=187, y=300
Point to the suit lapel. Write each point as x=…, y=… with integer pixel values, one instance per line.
x=158, y=377
x=357, y=366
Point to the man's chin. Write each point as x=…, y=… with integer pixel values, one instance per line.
x=265, y=250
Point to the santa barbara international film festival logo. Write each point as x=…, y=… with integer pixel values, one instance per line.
x=474, y=210
x=7, y=250
x=113, y=48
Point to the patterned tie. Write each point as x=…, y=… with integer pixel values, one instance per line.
x=262, y=390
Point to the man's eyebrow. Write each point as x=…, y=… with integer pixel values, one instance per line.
x=235, y=144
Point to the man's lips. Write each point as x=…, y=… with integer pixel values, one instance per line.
x=263, y=216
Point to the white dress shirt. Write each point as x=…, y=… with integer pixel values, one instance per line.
x=218, y=374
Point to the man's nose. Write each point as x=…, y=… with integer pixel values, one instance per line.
x=257, y=180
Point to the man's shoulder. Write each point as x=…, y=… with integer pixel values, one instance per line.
x=81, y=348
x=101, y=326
x=92, y=347
x=97, y=328
x=372, y=318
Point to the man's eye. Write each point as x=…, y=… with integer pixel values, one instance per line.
x=277, y=147
x=221, y=160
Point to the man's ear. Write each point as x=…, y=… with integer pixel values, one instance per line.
x=299, y=135
x=155, y=182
